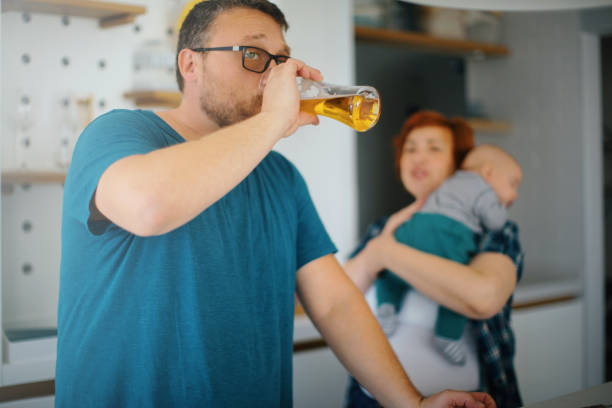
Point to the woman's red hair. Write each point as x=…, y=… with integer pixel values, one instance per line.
x=463, y=135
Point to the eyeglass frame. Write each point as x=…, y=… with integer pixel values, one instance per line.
x=243, y=48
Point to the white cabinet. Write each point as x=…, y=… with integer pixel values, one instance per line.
x=41, y=402
x=549, y=355
x=319, y=380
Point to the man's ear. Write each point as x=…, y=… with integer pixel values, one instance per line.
x=187, y=65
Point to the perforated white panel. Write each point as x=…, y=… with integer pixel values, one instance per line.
x=58, y=72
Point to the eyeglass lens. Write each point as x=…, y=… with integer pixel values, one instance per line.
x=258, y=60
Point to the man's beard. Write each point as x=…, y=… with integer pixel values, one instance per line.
x=224, y=114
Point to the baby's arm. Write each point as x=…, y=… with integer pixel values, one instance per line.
x=491, y=212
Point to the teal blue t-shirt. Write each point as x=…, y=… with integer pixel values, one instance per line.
x=199, y=317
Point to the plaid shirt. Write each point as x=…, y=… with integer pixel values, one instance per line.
x=495, y=339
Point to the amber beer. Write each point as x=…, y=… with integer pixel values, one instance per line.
x=359, y=112
x=355, y=106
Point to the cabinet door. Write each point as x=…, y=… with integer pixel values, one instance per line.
x=319, y=380
x=40, y=402
x=550, y=355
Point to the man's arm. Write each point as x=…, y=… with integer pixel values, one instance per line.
x=154, y=193
x=157, y=192
x=340, y=313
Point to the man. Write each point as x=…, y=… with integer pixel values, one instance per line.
x=182, y=234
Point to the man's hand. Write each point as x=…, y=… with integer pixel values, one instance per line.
x=458, y=399
x=281, y=99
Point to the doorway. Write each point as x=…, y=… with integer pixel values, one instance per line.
x=606, y=79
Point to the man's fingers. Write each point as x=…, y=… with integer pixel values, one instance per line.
x=485, y=399
x=304, y=70
x=307, y=119
x=460, y=399
x=298, y=67
x=311, y=73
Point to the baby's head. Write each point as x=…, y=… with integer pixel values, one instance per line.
x=498, y=168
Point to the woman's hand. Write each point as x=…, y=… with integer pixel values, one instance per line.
x=458, y=399
x=365, y=267
x=401, y=216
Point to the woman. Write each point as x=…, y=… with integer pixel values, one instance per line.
x=428, y=150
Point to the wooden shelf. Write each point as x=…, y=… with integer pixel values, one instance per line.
x=108, y=14
x=489, y=126
x=31, y=176
x=27, y=390
x=150, y=98
x=424, y=42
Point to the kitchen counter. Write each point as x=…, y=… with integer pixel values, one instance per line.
x=595, y=397
x=534, y=291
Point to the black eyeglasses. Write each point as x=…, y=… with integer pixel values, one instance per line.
x=254, y=59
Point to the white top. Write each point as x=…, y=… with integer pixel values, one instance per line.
x=412, y=342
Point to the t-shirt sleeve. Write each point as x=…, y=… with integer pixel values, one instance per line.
x=110, y=137
x=505, y=241
x=313, y=241
x=490, y=210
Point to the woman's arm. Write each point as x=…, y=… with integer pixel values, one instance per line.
x=478, y=290
x=360, y=268
x=361, y=273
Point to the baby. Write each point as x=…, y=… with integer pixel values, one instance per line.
x=471, y=201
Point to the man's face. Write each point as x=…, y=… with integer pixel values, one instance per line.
x=228, y=92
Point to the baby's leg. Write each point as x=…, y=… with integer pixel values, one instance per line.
x=390, y=292
x=448, y=331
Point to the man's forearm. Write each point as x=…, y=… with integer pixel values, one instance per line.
x=354, y=335
x=154, y=193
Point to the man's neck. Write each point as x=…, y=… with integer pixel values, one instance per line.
x=189, y=121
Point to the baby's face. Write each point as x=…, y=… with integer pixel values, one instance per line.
x=505, y=181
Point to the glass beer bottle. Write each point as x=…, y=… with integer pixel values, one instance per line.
x=355, y=106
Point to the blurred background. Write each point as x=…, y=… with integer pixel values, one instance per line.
x=538, y=84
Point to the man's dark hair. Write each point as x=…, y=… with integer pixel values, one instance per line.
x=196, y=26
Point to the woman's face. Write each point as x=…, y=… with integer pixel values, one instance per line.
x=427, y=159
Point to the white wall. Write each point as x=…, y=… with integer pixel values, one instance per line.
x=549, y=89
x=537, y=89
x=1, y=164
x=321, y=34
